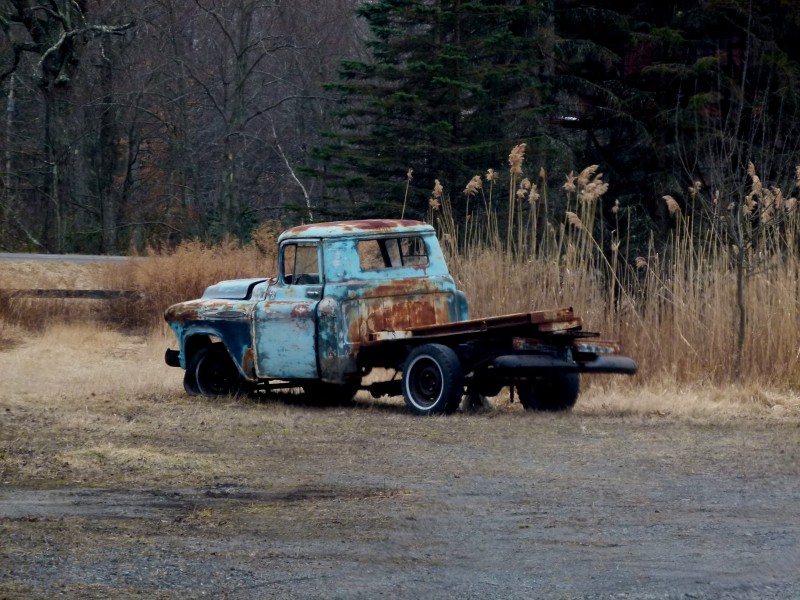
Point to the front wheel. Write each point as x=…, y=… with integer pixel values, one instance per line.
x=433, y=380
x=214, y=372
x=552, y=393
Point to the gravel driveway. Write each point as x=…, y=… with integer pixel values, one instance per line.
x=370, y=502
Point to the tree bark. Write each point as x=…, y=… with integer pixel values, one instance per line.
x=7, y=204
x=57, y=147
x=107, y=161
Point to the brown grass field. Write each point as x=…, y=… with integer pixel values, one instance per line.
x=114, y=483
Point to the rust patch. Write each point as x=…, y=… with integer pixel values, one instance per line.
x=556, y=321
x=358, y=225
x=249, y=363
x=392, y=315
x=399, y=287
x=557, y=326
x=300, y=311
x=185, y=311
x=195, y=310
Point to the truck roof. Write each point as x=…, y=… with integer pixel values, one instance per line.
x=361, y=228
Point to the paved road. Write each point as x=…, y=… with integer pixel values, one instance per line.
x=70, y=258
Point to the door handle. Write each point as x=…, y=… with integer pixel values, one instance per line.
x=313, y=293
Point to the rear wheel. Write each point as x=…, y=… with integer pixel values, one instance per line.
x=552, y=393
x=433, y=380
x=214, y=372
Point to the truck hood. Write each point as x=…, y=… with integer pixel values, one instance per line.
x=232, y=289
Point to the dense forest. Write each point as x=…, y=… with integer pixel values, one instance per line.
x=128, y=124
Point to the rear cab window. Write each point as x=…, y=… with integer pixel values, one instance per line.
x=392, y=253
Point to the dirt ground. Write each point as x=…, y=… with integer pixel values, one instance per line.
x=114, y=484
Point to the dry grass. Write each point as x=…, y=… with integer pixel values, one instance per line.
x=95, y=378
x=183, y=273
x=86, y=407
x=163, y=278
x=62, y=275
x=82, y=403
x=674, y=308
x=18, y=315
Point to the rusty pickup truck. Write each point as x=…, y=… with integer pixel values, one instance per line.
x=355, y=297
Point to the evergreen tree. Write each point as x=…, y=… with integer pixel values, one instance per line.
x=451, y=86
x=667, y=92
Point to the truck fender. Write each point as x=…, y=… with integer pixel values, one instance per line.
x=241, y=354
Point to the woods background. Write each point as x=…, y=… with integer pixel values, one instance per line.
x=133, y=124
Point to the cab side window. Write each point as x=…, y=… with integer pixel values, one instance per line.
x=300, y=264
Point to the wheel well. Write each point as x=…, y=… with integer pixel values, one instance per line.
x=195, y=343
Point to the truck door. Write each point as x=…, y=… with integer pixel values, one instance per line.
x=285, y=323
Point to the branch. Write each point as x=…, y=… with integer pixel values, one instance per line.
x=209, y=93
x=292, y=173
x=261, y=111
x=93, y=30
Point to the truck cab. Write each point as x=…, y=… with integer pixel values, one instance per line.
x=337, y=284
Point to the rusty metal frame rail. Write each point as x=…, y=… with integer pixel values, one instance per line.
x=539, y=322
x=84, y=294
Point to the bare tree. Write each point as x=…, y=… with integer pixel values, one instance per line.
x=56, y=32
x=197, y=121
x=743, y=132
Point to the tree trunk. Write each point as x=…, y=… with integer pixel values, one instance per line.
x=107, y=162
x=58, y=155
x=229, y=209
x=7, y=202
x=186, y=172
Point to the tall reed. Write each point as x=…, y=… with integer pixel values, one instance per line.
x=674, y=307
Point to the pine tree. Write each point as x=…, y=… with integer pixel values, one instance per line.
x=451, y=86
x=665, y=92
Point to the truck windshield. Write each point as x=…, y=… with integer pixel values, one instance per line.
x=300, y=264
x=388, y=253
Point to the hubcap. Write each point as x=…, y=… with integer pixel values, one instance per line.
x=216, y=376
x=426, y=382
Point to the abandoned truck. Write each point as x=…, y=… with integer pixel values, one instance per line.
x=355, y=296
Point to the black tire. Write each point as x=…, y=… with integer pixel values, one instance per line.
x=433, y=380
x=190, y=382
x=321, y=393
x=552, y=393
x=214, y=372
